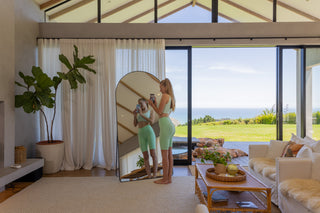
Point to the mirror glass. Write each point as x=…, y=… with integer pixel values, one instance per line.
x=131, y=88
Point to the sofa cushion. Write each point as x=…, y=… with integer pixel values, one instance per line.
x=305, y=191
x=276, y=148
x=264, y=166
x=291, y=149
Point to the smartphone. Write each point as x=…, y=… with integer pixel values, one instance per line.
x=137, y=107
x=152, y=98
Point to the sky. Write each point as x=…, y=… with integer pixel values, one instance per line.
x=230, y=77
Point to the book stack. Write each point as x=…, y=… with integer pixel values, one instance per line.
x=247, y=204
x=219, y=197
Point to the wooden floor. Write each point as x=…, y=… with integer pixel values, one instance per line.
x=16, y=187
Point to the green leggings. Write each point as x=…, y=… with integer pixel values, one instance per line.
x=167, y=131
x=146, y=137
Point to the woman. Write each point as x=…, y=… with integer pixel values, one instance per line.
x=167, y=129
x=143, y=117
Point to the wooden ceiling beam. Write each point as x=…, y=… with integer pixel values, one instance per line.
x=126, y=128
x=148, y=11
x=125, y=108
x=122, y=7
x=133, y=90
x=238, y=6
x=295, y=10
x=69, y=9
x=220, y=14
x=50, y=3
x=153, y=77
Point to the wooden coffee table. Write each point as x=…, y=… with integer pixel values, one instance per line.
x=237, y=191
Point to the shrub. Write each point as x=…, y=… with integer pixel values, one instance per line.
x=289, y=118
x=316, y=115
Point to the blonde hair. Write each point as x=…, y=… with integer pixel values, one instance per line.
x=169, y=90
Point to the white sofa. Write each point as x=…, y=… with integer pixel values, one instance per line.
x=263, y=160
x=299, y=184
x=264, y=168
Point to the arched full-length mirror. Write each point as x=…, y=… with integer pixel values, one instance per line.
x=130, y=89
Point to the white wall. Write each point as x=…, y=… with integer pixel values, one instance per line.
x=27, y=18
x=7, y=78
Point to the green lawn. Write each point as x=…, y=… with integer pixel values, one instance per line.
x=238, y=132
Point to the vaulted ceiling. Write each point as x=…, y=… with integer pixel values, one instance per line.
x=142, y=11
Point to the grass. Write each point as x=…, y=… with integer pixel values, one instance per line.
x=241, y=132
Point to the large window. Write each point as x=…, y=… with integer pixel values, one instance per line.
x=233, y=92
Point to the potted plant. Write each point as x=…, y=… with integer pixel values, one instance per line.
x=40, y=92
x=218, y=159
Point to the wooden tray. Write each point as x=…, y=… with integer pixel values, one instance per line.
x=240, y=176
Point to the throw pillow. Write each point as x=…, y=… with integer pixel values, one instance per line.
x=296, y=139
x=291, y=149
x=275, y=148
x=313, y=144
x=304, y=152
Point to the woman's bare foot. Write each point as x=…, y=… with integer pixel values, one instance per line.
x=162, y=181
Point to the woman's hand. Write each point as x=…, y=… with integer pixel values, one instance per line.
x=135, y=112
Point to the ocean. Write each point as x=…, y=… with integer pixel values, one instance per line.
x=181, y=114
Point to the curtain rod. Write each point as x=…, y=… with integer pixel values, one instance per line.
x=213, y=38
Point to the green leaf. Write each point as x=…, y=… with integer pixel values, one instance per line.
x=19, y=100
x=21, y=85
x=56, y=81
x=28, y=107
x=65, y=61
x=43, y=81
x=79, y=78
x=86, y=68
x=62, y=75
x=75, y=55
x=87, y=60
x=72, y=81
x=28, y=80
x=46, y=100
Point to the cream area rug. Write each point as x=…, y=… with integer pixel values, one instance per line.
x=103, y=194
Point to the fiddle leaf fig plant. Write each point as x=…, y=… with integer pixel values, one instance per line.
x=41, y=90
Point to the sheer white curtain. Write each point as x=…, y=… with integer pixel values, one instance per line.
x=140, y=55
x=48, y=53
x=88, y=114
x=89, y=111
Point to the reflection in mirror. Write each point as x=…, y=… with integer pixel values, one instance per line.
x=133, y=158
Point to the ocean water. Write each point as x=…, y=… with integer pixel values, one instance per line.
x=181, y=114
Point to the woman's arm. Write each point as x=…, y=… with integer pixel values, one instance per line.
x=164, y=100
x=151, y=119
x=135, y=121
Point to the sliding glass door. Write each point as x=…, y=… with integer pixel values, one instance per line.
x=178, y=69
x=298, y=101
x=313, y=92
